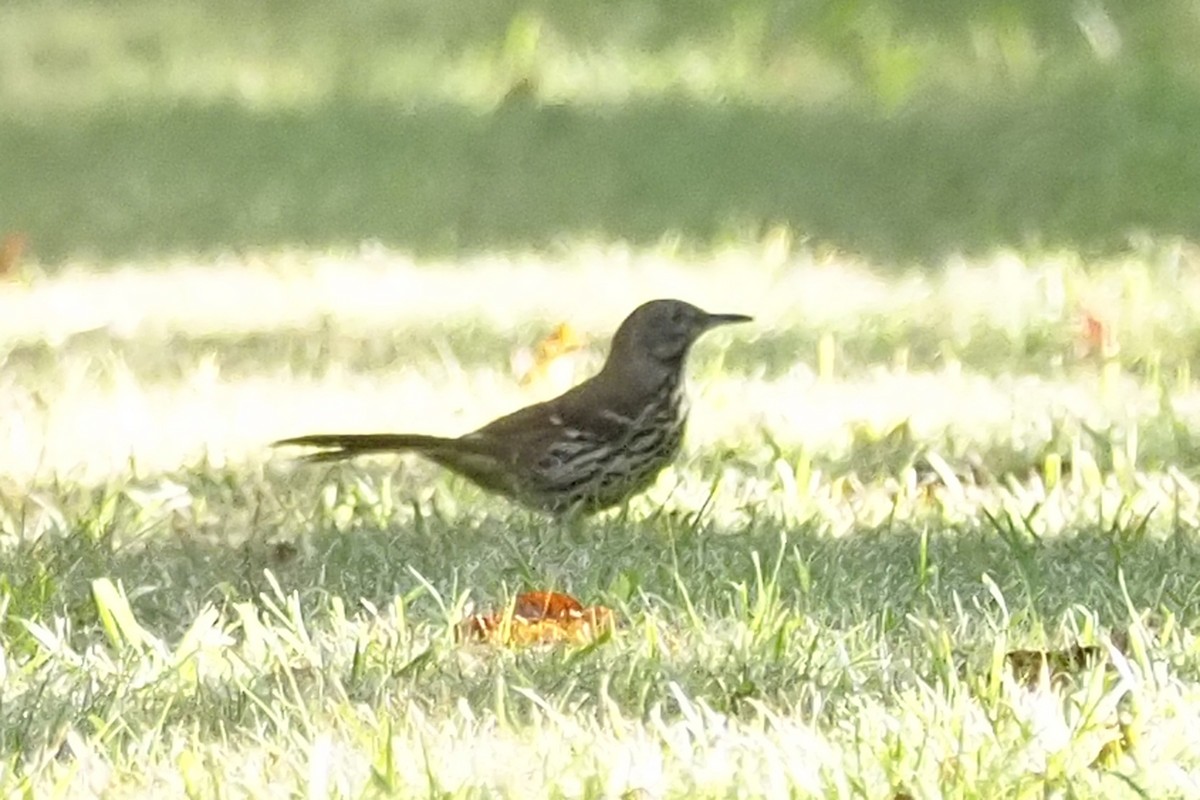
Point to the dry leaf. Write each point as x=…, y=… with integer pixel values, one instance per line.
x=539, y=617
x=1096, y=337
x=1060, y=665
x=550, y=363
x=12, y=247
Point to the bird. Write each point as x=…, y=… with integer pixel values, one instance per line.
x=588, y=449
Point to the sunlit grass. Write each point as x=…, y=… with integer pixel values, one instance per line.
x=817, y=599
x=165, y=365
x=972, y=442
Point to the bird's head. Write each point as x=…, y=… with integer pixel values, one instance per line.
x=663, y=331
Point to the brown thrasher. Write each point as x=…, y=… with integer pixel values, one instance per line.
x=590, y=448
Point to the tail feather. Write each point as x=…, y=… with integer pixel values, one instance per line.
x=340, y=446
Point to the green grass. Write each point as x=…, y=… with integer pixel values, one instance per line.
x=901, y=132
x=252, y=221
x=817, y=600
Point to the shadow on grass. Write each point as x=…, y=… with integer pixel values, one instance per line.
x=819, y=618
x=1079, y=165
x=366, y=532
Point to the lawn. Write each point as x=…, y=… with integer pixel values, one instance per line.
x=934, y=532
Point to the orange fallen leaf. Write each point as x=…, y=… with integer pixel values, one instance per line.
x=12, y=247
x=549, y=362
x=538, y=618
x=546, y=605
x=1097, y=337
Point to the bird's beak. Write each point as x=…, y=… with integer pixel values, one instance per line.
x=713, y=320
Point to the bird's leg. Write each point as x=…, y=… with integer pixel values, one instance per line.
x=571, y=525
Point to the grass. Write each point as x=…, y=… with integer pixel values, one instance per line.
x=903, y=132
x=959, y=439
x=808, y=604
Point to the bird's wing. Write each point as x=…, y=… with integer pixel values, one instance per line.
x=531, y=430
x=561, y=444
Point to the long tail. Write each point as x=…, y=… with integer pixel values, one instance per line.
x=339, y=446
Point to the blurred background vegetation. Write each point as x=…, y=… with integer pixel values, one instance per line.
x=903, y=131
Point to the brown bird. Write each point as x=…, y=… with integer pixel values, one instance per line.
x=588, y=449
